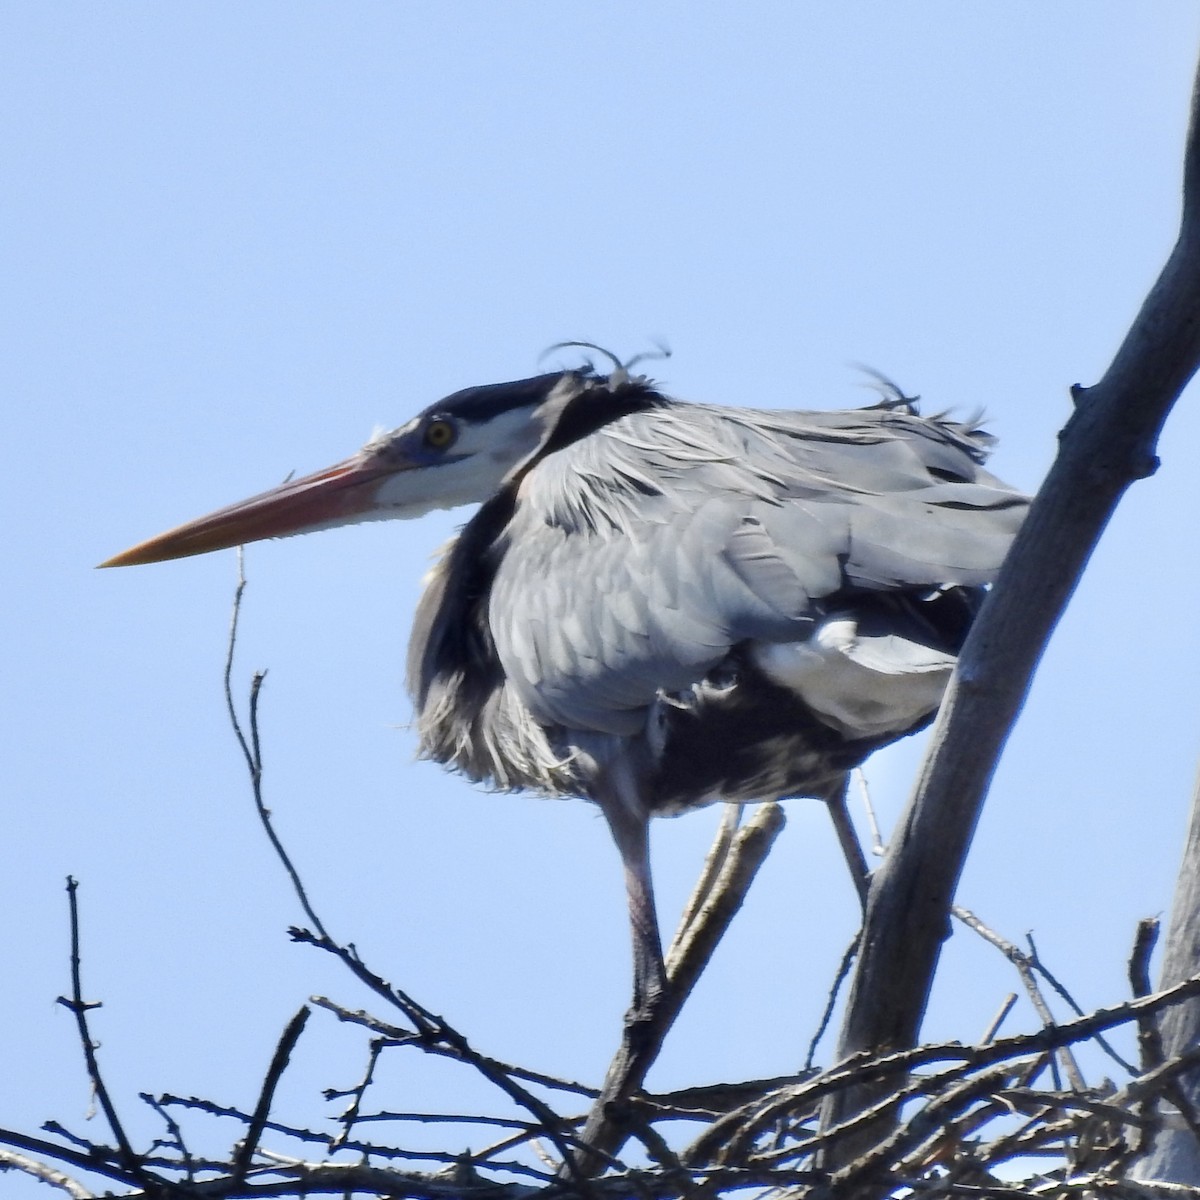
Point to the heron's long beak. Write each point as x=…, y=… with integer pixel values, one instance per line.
x=334, y=496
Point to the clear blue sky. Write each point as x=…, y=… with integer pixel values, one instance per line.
x=238, y=236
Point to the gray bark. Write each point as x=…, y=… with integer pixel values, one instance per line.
x=1174, y=1156
x=1108, y=444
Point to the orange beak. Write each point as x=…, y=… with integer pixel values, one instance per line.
x=338, y=495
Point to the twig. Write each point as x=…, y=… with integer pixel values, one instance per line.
x=176, y=1133
x=440, y=1037
x=713, y=1099
x=98, y=1149
x=714, y=861
x=252, y=747
x=1153, y=1189
x=918, y=1133
x=1040, y=967
x=1024, y=965
x=688, y=956
x=993, y=1028
x=840, y=978
x=865, y=1067
x=1150, y=1045
x=847, y=836
x=432, y=1027
x=1144, y=941
x=403, y=1036
x=77, y=1005
x=431, y=1118
x=97, y=1160
x=358, y=1146
x=244, y=1153
x=1036, y=962
x=46, y=1174
x=877, y=846
x=356, y=1094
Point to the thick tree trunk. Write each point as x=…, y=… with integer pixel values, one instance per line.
x=1108, y=444
x=1174, y=1156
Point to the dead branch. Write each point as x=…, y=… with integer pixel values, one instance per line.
x=244, y=1152
x=395, y=1034
x=430, y=1027
x=843, y=973
x=12, y=1160
x=1108, y=444
x=1174, y=1153
x=352, y=1112
x=960, y=1103
x=79, y=1008
x=730, y=1135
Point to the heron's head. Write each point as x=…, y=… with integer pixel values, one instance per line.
x=457, y=451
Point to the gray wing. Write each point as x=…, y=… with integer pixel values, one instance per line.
x=638, y=557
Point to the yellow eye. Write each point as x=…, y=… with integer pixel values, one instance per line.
x=440, y=433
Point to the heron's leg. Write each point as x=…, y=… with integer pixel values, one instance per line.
x=631, y=832
x=606, y=1129
x=860, y=873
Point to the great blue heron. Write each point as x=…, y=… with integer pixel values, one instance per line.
x=661, y=604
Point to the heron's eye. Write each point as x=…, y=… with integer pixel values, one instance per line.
x=440, y=433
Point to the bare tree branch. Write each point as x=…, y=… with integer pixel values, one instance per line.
x=244, y=1154
x=11, y=1160
x=431, y=1028
x=843, y=973
x=251, y=746
x=79, y=1007
x=735, y=1127
x=1175, y=1153
x=1108, y=444
x=989, y=1034
x=352, y=1112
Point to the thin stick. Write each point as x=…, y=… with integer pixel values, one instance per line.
x=843, y=973
x=45, y=1174
x=852, y=851
x=864, y=1066
x=1150, y=1044
x=989, y=1034
x=252, y=748
x=432, y=1027
x=1035, y=961
x=176, y=1133
x=1144, y=941
x=398, y=1035
x=77, y=1005
x=244, y=1153
x=1025, y=970
x=714, y=861
x=85, y=1155
x=1027, y=965
x=356, y=1094
x=877, y=846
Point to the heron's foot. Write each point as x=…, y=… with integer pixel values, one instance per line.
x=646, y=1024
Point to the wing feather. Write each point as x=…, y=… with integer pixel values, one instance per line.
x=640, y=555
